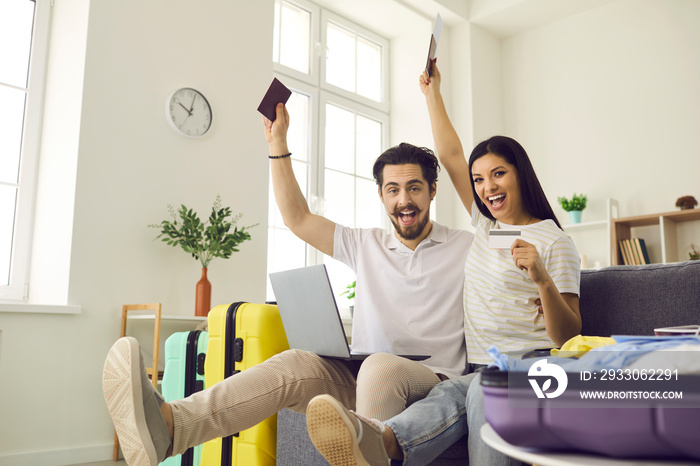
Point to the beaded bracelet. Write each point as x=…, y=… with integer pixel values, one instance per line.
x=280, y=156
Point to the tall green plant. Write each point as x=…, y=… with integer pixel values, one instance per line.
x=203, y=240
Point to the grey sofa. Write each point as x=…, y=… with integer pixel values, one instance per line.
x=618, y=300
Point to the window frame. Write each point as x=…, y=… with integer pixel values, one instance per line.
x=320, y=93
x=384, y=104
x=20, y=259
x=314, y=57
x=326, y=97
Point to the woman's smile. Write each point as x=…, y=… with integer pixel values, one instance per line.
x=497, y=201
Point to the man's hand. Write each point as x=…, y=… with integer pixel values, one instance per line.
x=276, y=131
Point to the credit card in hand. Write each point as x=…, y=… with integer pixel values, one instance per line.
x=502, y=239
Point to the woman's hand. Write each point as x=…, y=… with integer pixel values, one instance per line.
x=430, y=84
x=562, y=318
x=526, y=257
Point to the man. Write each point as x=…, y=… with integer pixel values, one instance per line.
x=408, y=300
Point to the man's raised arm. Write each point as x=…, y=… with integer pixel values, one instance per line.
x=315, y=230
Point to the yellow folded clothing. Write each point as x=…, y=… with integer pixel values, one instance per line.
x=580, y=345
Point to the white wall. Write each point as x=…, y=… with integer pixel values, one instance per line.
x=114, y=65
x=607, y=103
x=130, y=165
x=409, y=116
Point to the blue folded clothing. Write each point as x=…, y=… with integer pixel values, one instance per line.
x=627, y=350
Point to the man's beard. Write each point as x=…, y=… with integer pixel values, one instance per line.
x=411, y=232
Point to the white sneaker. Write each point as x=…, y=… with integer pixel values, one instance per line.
x=343, y=437
x=134, y=405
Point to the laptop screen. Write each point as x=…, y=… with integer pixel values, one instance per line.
x=309, y=311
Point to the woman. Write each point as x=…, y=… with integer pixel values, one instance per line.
x=518, y=299
x=500, y=190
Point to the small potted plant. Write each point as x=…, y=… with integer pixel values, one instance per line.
x=217, y=237
x=350, y=292
x=686, y=202
x=694, y=253
x=574, y=206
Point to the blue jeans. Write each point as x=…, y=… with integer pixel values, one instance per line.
x=452, y=409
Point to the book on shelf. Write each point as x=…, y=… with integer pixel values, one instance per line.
x=626, y=251
x=634, y=251
x=623, y=252
x=636, y=258
x=642, y=250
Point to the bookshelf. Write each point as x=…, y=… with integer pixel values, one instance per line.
x=667, y=221
x=592, y=237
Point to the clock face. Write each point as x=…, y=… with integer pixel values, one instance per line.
x=188, y=112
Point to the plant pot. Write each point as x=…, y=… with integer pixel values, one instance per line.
x=202, y=302
x=574, y=216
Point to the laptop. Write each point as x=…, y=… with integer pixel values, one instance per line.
x=310, y=314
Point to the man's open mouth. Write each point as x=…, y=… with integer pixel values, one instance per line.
x=407, y=217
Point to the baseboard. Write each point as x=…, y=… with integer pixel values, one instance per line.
x=64, y=457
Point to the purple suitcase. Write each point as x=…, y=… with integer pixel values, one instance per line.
x=641, y=430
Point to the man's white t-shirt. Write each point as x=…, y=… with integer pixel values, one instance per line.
x=408, y=302
x=499, y=298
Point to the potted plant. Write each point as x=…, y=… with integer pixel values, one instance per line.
x=350, y=292
x=217, y=237
x=686, y=202
x=694, y=253
x=574, y=206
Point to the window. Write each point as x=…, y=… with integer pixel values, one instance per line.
x=24, y=26
x=339, y=111
x=354, y=63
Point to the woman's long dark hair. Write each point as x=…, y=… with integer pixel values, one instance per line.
x=534, y=200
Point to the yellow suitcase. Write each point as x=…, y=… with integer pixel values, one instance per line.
x=242, y=335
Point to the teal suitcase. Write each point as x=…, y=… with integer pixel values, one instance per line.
x=183, y=375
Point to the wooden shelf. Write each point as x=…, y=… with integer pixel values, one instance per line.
x=622, y=229
x=586, y=225
x=152, y=316
x=582, y=232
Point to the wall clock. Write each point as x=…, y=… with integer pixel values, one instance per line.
x=188, y=112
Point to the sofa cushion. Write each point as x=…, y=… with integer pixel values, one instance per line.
x=635, y=299
x=294, y=447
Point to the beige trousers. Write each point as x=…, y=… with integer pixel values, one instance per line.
x=385, y=385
